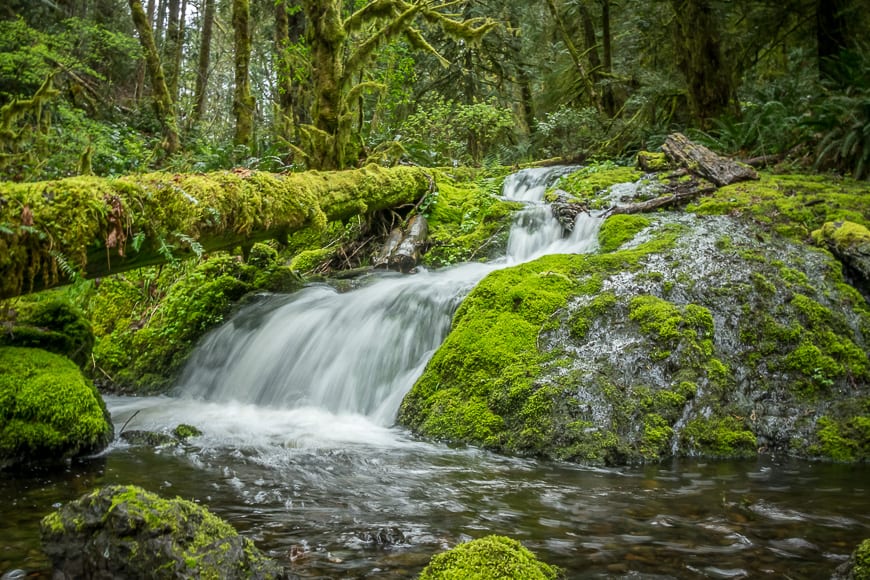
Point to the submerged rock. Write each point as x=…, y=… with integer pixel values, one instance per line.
x=488, y=558
x=858, y=565
x=49, y=412
x=696, y=336
x=126, y=532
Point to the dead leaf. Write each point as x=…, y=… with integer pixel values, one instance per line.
x=26, y=216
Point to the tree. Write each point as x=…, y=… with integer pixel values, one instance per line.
x=342, y=46
x=203, y=61
x=163, y=103
x=243, y=100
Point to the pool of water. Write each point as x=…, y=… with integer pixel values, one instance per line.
x=336, y=496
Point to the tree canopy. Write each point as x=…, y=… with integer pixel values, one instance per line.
x=118, y=86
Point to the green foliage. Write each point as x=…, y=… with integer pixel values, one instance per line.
x=48, y=410
x=52, y=324
x=619, y=229
x=488, y=558
x=442, y=131
x=721, y=438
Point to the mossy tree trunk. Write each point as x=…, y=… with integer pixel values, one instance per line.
x=709, y=85
x=172, y=48
x=243, y=101
x=576, y=55
x=288, y=29
x=52, y=230
x=341, y=47
x=163, y=103
x=203, y=61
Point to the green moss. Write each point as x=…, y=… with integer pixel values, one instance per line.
x=791, y=205
x=583, y=317
x=488, y=558
x=308, y=260
x=184, y=431
x=52, y=324
x=590, y=185
x=49, y=411
x=652, y=161
x=861, y=557
x=687, y=329
x=842, y=235
x=619, y=229
x=844, y=439
x=657, y=434
x=726, y=437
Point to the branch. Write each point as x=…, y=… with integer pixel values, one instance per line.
x=372, y=11
x=388, y=32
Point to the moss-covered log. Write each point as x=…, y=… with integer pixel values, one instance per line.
x=52, y=230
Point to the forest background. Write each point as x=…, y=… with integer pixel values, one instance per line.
x=112, y=87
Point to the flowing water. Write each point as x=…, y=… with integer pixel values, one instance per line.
x=296, y=397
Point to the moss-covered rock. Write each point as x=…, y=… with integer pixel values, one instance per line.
x=618, y=229
x=858, y=565
x=48, y=411
x=488, y=558
x=701, y=336
x=126, y=532
x=51, y=323
x=850, y=243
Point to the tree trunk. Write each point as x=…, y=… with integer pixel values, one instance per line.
x=703, y=162
x=708, y=75
x=172, y=48
x=203, y=62
x=164, y=105
x=585, y=78
x=99, y=226
x=831, y=37
x=243, y=101
x=284, y=121
x=406, y=256
x=610, y=105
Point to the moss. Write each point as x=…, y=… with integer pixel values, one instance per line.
x=842, y=235
x=792, y=205
x=467, y=220
x=184, y=431
x=687, y=330
x=49, y=411
x=132, y=532
x=619, y=229
x=726, y=437
x=115, y=224
x=582, y=318
x=650, y=161
x=308, y=260
x=657, y=434
x=844, y=439
x=488, y=558
x=590, y=185
x=861, y=557
x=52, y=324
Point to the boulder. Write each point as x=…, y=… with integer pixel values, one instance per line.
x=123, y=531
x=49, y=412
x=488, y=558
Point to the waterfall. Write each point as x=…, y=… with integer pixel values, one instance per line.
x=359, y=352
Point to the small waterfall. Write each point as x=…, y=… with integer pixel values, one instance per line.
x=359, y=352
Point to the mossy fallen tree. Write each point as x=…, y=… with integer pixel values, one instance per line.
x=53, y=231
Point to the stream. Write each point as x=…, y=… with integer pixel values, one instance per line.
x=296, y=397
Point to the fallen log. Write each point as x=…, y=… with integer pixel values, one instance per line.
x=406, y=256
x=51, y=231
x=679, y=194
x=382, y=260
x=702, y=162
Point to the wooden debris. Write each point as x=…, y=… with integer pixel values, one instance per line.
x=702, y=162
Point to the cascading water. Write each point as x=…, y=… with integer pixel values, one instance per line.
x=359, y=352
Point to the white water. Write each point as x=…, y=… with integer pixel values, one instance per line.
x=321, y=367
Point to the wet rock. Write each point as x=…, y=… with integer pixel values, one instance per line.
x=148, y=438
x=382, y=537
x=858, y=565
x=127, y=532
x=850, y=243
x=183, y=432
x=50, y=411
x=488, y=558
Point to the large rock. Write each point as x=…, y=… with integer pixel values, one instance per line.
x=49, y=412
x=702, y=336
x=126, y=532
x=488, y=558
x=850, y=243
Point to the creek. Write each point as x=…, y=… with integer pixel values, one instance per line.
x=296, y=397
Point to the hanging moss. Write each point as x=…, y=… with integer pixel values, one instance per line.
x=48, y=411
x=99, y=226
x=488, y=558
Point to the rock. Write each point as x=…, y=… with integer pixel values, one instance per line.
x=850, y=243
x=488, y=558
x=53, y=325
x=704, y=163
x=858, y=565
x=183, y=432
x=652, y=162
x=126, y=532
x=49, y=411
x=148, y=438
x=695, y=336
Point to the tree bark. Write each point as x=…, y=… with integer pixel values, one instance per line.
x=585, y=77
x=284, y=121
x=703, y=162
x=98, y=226
x=164, y=105
x=204, y=61
x=831, y=37
x=406, y=256
x=243, y=101
x=172, y=48
x=709, y=85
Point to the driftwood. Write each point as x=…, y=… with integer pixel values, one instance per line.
x=406, y=256
x=702, y=162
x=382, y=260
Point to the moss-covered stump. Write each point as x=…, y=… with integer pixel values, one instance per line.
x=858, y=565
x=52, y=324
x=101, y=226
x=49, y=412
x=701, y=336
x=488, y=558
x=126, y=532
